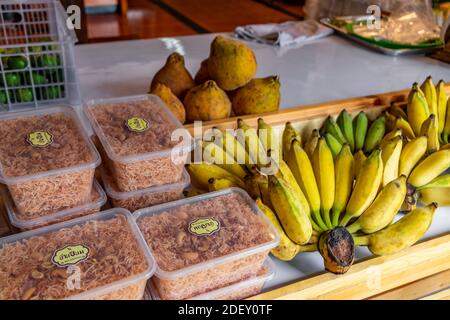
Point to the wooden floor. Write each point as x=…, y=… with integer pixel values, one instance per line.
x=164, y=18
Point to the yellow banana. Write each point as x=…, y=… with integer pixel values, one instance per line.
x=430, y=129
x=263, y=186
x=406, y=128
x=397, y=111
x=389, y=136
x=411, y=154
x=417, y=109
x=193, y=191
x=201, y=172
x=323, y=166
x=359, y=159
x=212, y=153
x=438, y=182
x=303, y=172
x=390, y=120
x=311, y=143
x=439, y=195
x=251, y=185
x=429, y=91
x=400, y=235
x=289, y=134
x=430, y=168
x=446, y=131
x=366, y=187
x=292, y=215
x=345, y=175
x=269, y=139
x=441, y=105
x=286, y=249
x=232, y=146
x=384, y=208
x=253, y=145
x=216, y=184
x=390, y=154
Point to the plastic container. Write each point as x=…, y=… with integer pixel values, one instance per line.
x=206, y=242
x=46, y=160
x=101, y=256
x=135, y=200
x=135, y=134
x=36, y=34
x=236, y=291
x=97, y=200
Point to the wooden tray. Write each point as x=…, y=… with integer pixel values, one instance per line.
x=422, y=271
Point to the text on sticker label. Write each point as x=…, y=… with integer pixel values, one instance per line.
x=137, y=124
x=70, y=255
x=40, y=138
x=204, y=226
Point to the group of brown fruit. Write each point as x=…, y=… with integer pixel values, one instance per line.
x=223, y=85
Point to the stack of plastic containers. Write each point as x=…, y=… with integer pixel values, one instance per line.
x=47, y=163
x=143, y=164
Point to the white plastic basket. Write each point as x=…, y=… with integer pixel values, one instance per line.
x=37, y=66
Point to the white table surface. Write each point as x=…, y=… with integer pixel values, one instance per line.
x=325, y=70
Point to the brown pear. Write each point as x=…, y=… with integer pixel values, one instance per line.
x=174, y=75
x=207, y=102
x=231, y=63
x=258, y=96
x=202, y=74
x=171, y=100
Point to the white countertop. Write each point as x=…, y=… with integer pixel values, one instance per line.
x=325, y=70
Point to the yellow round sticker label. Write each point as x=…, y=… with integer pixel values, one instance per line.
x=137, y=124
x=70, y=255
x=204, y=226
x=40, y=139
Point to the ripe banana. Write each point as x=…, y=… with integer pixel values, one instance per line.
x=375, y=134
x=429, y=91
x=214, y=154
x=311, y=143
x=263, y=186
x=417, y=109
x=303, y=172
x=216, y=184
x=292, y=215
x=253, y=145
x=193, y=191
x=334, y=144
x=390, y=120
x=345, y=123
x=360, y=125
x=269, y=139
x=445, y=146
x=390, y=153
x=446, y=131
x=359, y=158
x=439, y=195
x=403, y=124
x=251, y=185
x=345, y=175
x=430, y=168
x=201, y=172
x=441, y=105
x=323, y=166
x=400, y=235
x=289, y=134
x=286, y=249
x=430, y=128
x=366, y=187
x=438, y=182
x=397, y=111
x=330, y=126
x=411, y=154
x=389, y=136
x=232, y=146
x=384, y=208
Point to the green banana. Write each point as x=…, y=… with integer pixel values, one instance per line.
x=430, y=168
x=375, y=134
x=400, y=235
x=430, y=128
x=360, y=126
x=383, y=209
x=330, y=126
x=366, y=187
x=417, y=109
x=345, y=123
x=345, y=175
x=441, y=105
x=429, y=91
x=292, y=215
x=289, y=134
x=334, y=144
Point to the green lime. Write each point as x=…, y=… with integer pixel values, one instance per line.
x=3, y=97
x=17, y=63
x=12, y=79
x=37, y=79
x=51, y=93
x=47, y=61
x=24, y=95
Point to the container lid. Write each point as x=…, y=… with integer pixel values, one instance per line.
x=78, y=259
x=266, y=273
x=39, y=143
x=113, y=192
x=97, y=200
x=136, y=128
x=201, y=232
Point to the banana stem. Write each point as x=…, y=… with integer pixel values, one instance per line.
x=361, y=240
x=315, y=226
x=326, y=218
x=336, y=213
x=319, y=220
x=308, y=248
x=354, y=227
x=345, y=220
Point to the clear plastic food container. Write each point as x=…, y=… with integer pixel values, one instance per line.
x=138, y=199
x=136, y=137
x=237, y=291
x=46, y=160
x=95, y=203
x=206, y=242
x=100, y=256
